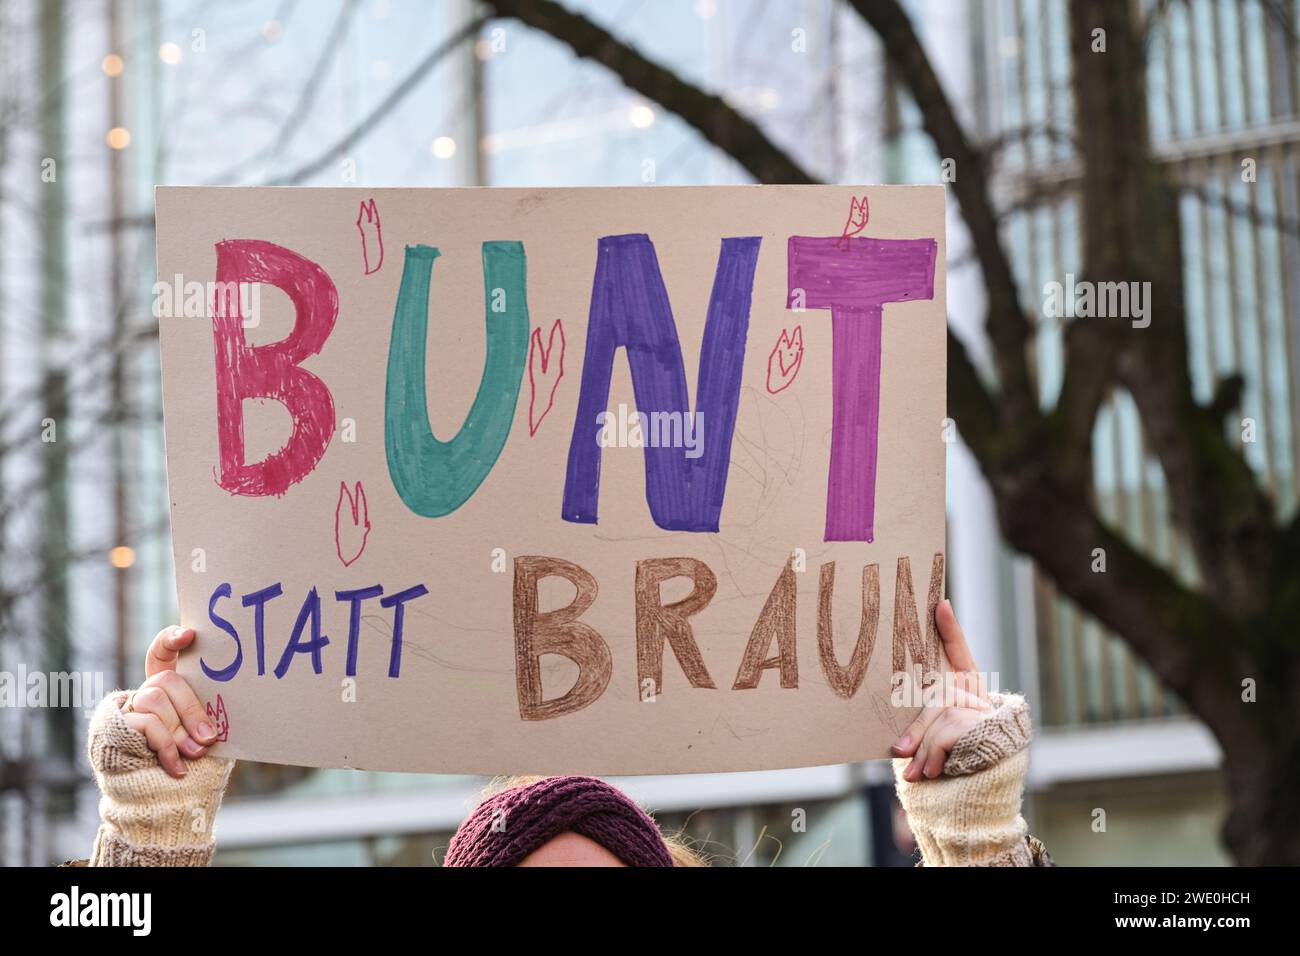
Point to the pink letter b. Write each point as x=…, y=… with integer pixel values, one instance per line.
x=271, y=371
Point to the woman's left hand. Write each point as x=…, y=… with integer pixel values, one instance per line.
x=930, y=737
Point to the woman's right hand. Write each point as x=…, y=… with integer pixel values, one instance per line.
x=931, y=736
x=165, y=708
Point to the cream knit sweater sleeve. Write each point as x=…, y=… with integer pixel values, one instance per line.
x=970, y=814
x=149, y=818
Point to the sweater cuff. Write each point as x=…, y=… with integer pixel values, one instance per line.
x=970, y=814
x=971, y=820
x=1003, y=733
x=150, y=818
x=112, y=849
x=114, y=746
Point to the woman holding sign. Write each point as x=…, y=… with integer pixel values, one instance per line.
x=960, y=773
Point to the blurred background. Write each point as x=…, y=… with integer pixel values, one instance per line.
x=102, y=100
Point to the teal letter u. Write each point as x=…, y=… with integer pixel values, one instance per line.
x=434, y=477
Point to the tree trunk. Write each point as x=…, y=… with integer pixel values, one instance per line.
x=1262, y=827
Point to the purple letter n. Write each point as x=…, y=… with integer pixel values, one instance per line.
x=855, y=283
x=629, y=310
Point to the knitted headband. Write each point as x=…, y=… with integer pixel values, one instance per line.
x=507, y=827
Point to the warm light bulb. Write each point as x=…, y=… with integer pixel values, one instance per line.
x=641, y=117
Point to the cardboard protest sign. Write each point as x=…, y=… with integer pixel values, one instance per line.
x=556, y=480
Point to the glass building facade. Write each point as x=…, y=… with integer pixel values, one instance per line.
x=1221, y=83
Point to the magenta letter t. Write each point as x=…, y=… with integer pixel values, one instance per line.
x=855, y=283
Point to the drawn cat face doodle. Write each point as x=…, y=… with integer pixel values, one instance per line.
x=784, y=361
x=219, y=719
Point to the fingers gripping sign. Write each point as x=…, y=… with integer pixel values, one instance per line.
x=165, y=649
x=930, y=737
x=165, y=708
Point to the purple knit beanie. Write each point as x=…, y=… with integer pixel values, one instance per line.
x=528, y=817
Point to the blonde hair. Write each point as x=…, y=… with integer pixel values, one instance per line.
x=679, y=844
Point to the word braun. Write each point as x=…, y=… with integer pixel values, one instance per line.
x=561, y=631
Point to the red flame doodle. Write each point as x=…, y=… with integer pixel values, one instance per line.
x=372, y=236
x=540, y=365
x=784, y=361
x=357, y=529
x=859, y=213
x=219, y=719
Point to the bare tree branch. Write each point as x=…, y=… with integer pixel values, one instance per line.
x=721, y=125
x=1132, y=234
x=306, y=98
x=1008, y=328
x=380, y=113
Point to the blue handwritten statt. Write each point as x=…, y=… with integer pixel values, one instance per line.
x=577, y=480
